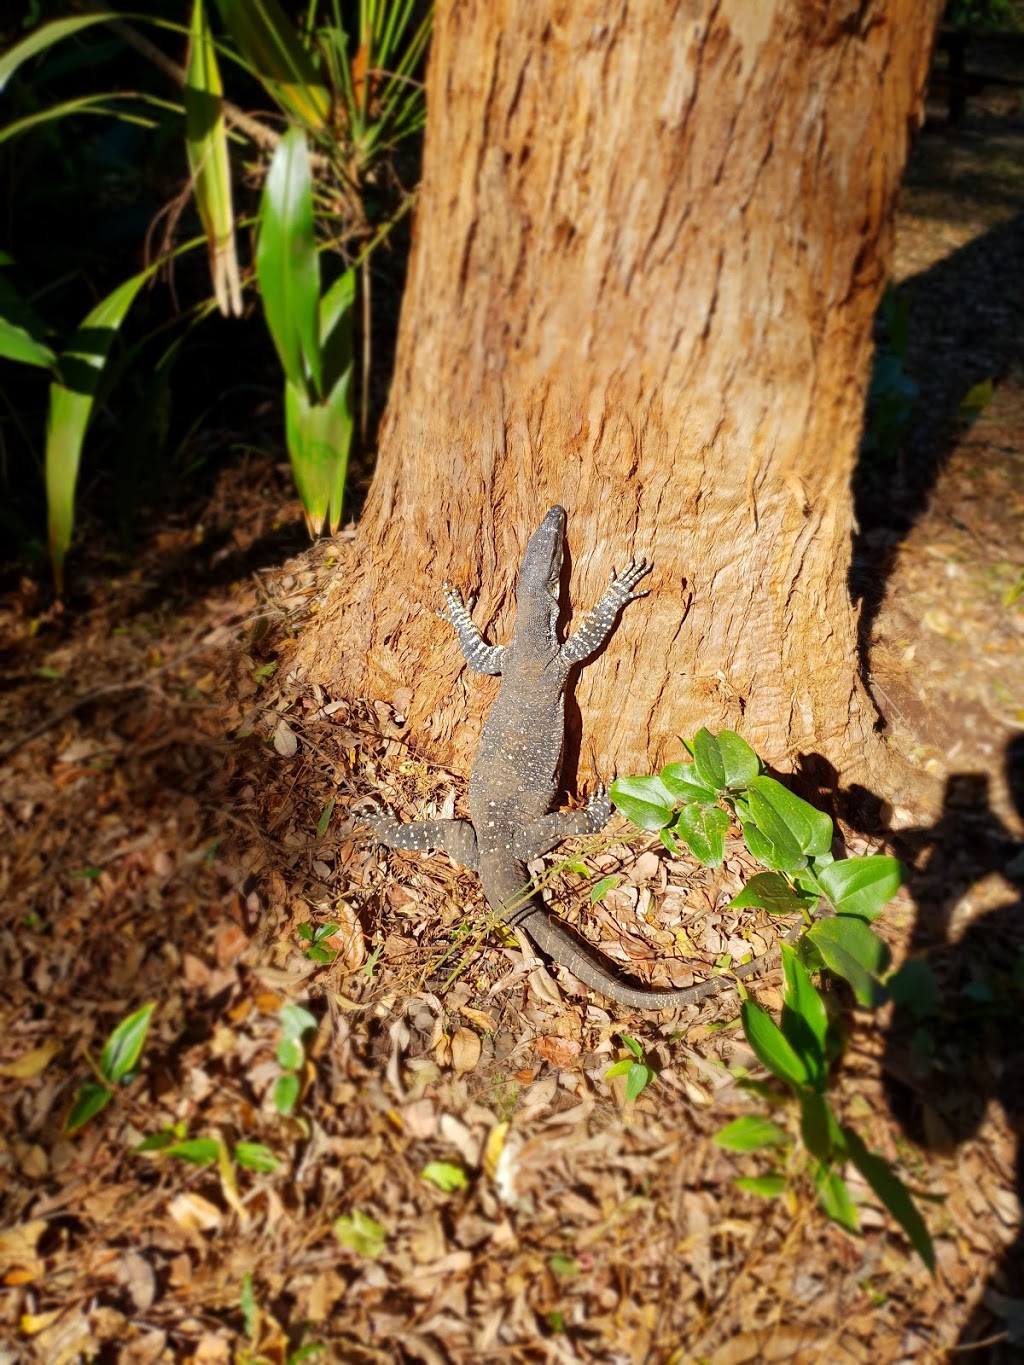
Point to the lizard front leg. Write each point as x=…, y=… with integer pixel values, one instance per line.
x=457, y=838
x=481, y=657
x=598, y=624
x=541, y=836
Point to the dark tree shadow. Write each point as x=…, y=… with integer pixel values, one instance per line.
x=957, y=324
x=954, y=1045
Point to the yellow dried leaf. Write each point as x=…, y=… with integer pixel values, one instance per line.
x=31, y=1063
x=33, y=1323
x=494, y=1146
x=194, y=1213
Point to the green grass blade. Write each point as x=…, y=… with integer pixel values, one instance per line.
x=86, y=104
x=207, y=144
x=286, y=262
x=44, y=37
x=278, y=60
x=71, y=405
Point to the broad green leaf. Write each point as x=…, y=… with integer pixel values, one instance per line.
x=22, y=330
x=619, y=1068
x=446, y=1176
x=360, y=1233
x=853, y=951
x=819, y=1129
x=638, y=1078
x=862, y=886
x=296, y=1021
x=199, y=1151
x=43, y=37
x=286, y=1092
x=319, y=436
x=634, y=1047
x=124, y=1046
x=766, y=1186
x=769, y=891
x=834, y=1198
x=270, y=45
x=804, y=1018
x=750, y=1133
x=157, y=1142
x=337, y=331
x=90, y=1099
x=811, y=828
x=893, y=1194
x=206, y=140
x=600, y=889
x=254, y=1156
x=707, y=759
x=644, y=800
x=71, y=403
x=704, y=829
x=771, y=1046
x=740, y=762
x=682, y=784
x=290, y=1053
x=287, y=265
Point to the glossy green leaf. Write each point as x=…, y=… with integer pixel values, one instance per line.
x=22, y=330
x=325, y=818
x=682, y=784
x=199, y=1151
x=739, y=761
x=771, y=1047
x=862, y=886
x=124, y=1046
x=255, y=1156
x=819, y=1129
x=834, y=1197
x=268, y=41
x=446, y=1176
x=319, y=437
x=290, y=1053
x=750, y=1133
x=71, y=405
x=765, y=1186
x=286, y=1092
x=287, y=265
x=296, y=1021
x=44, y=37
x=644, y=800
x=804, y=1017
x=88, y=1101
x=894, y=1195
x=769, y=891
x=708, y=761
x=638, y=1078
x=810, y=828
x=704, y=829
x=337, y=331
x=206, y=141
x=600, y=889
x=853, y=951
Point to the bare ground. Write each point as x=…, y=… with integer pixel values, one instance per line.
x=166, y=841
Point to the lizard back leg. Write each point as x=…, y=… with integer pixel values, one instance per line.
x=481, y=657
x=457, y=838
x=542, y=835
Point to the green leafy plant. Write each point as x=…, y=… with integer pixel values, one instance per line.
x=638, y=1072
x=836, y=901
x=314, y=935
x=209, y=1151
x=296, y=1023
x=360, y=1233
x=116, y=1067
x=346, y=84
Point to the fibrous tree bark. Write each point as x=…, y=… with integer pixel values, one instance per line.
x=649, y=246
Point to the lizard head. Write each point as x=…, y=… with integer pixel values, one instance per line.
x=541, y=568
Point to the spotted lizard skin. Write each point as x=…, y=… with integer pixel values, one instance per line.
x=515, y=774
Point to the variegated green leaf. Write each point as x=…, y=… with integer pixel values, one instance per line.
x=207, y=143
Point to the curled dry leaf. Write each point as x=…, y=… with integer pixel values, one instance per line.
x=561, y=1052
x=465, y=1050
x=285, y=740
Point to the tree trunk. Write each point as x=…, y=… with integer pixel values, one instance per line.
x=649, y=247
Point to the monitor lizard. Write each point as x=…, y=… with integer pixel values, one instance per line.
x=515, y=774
